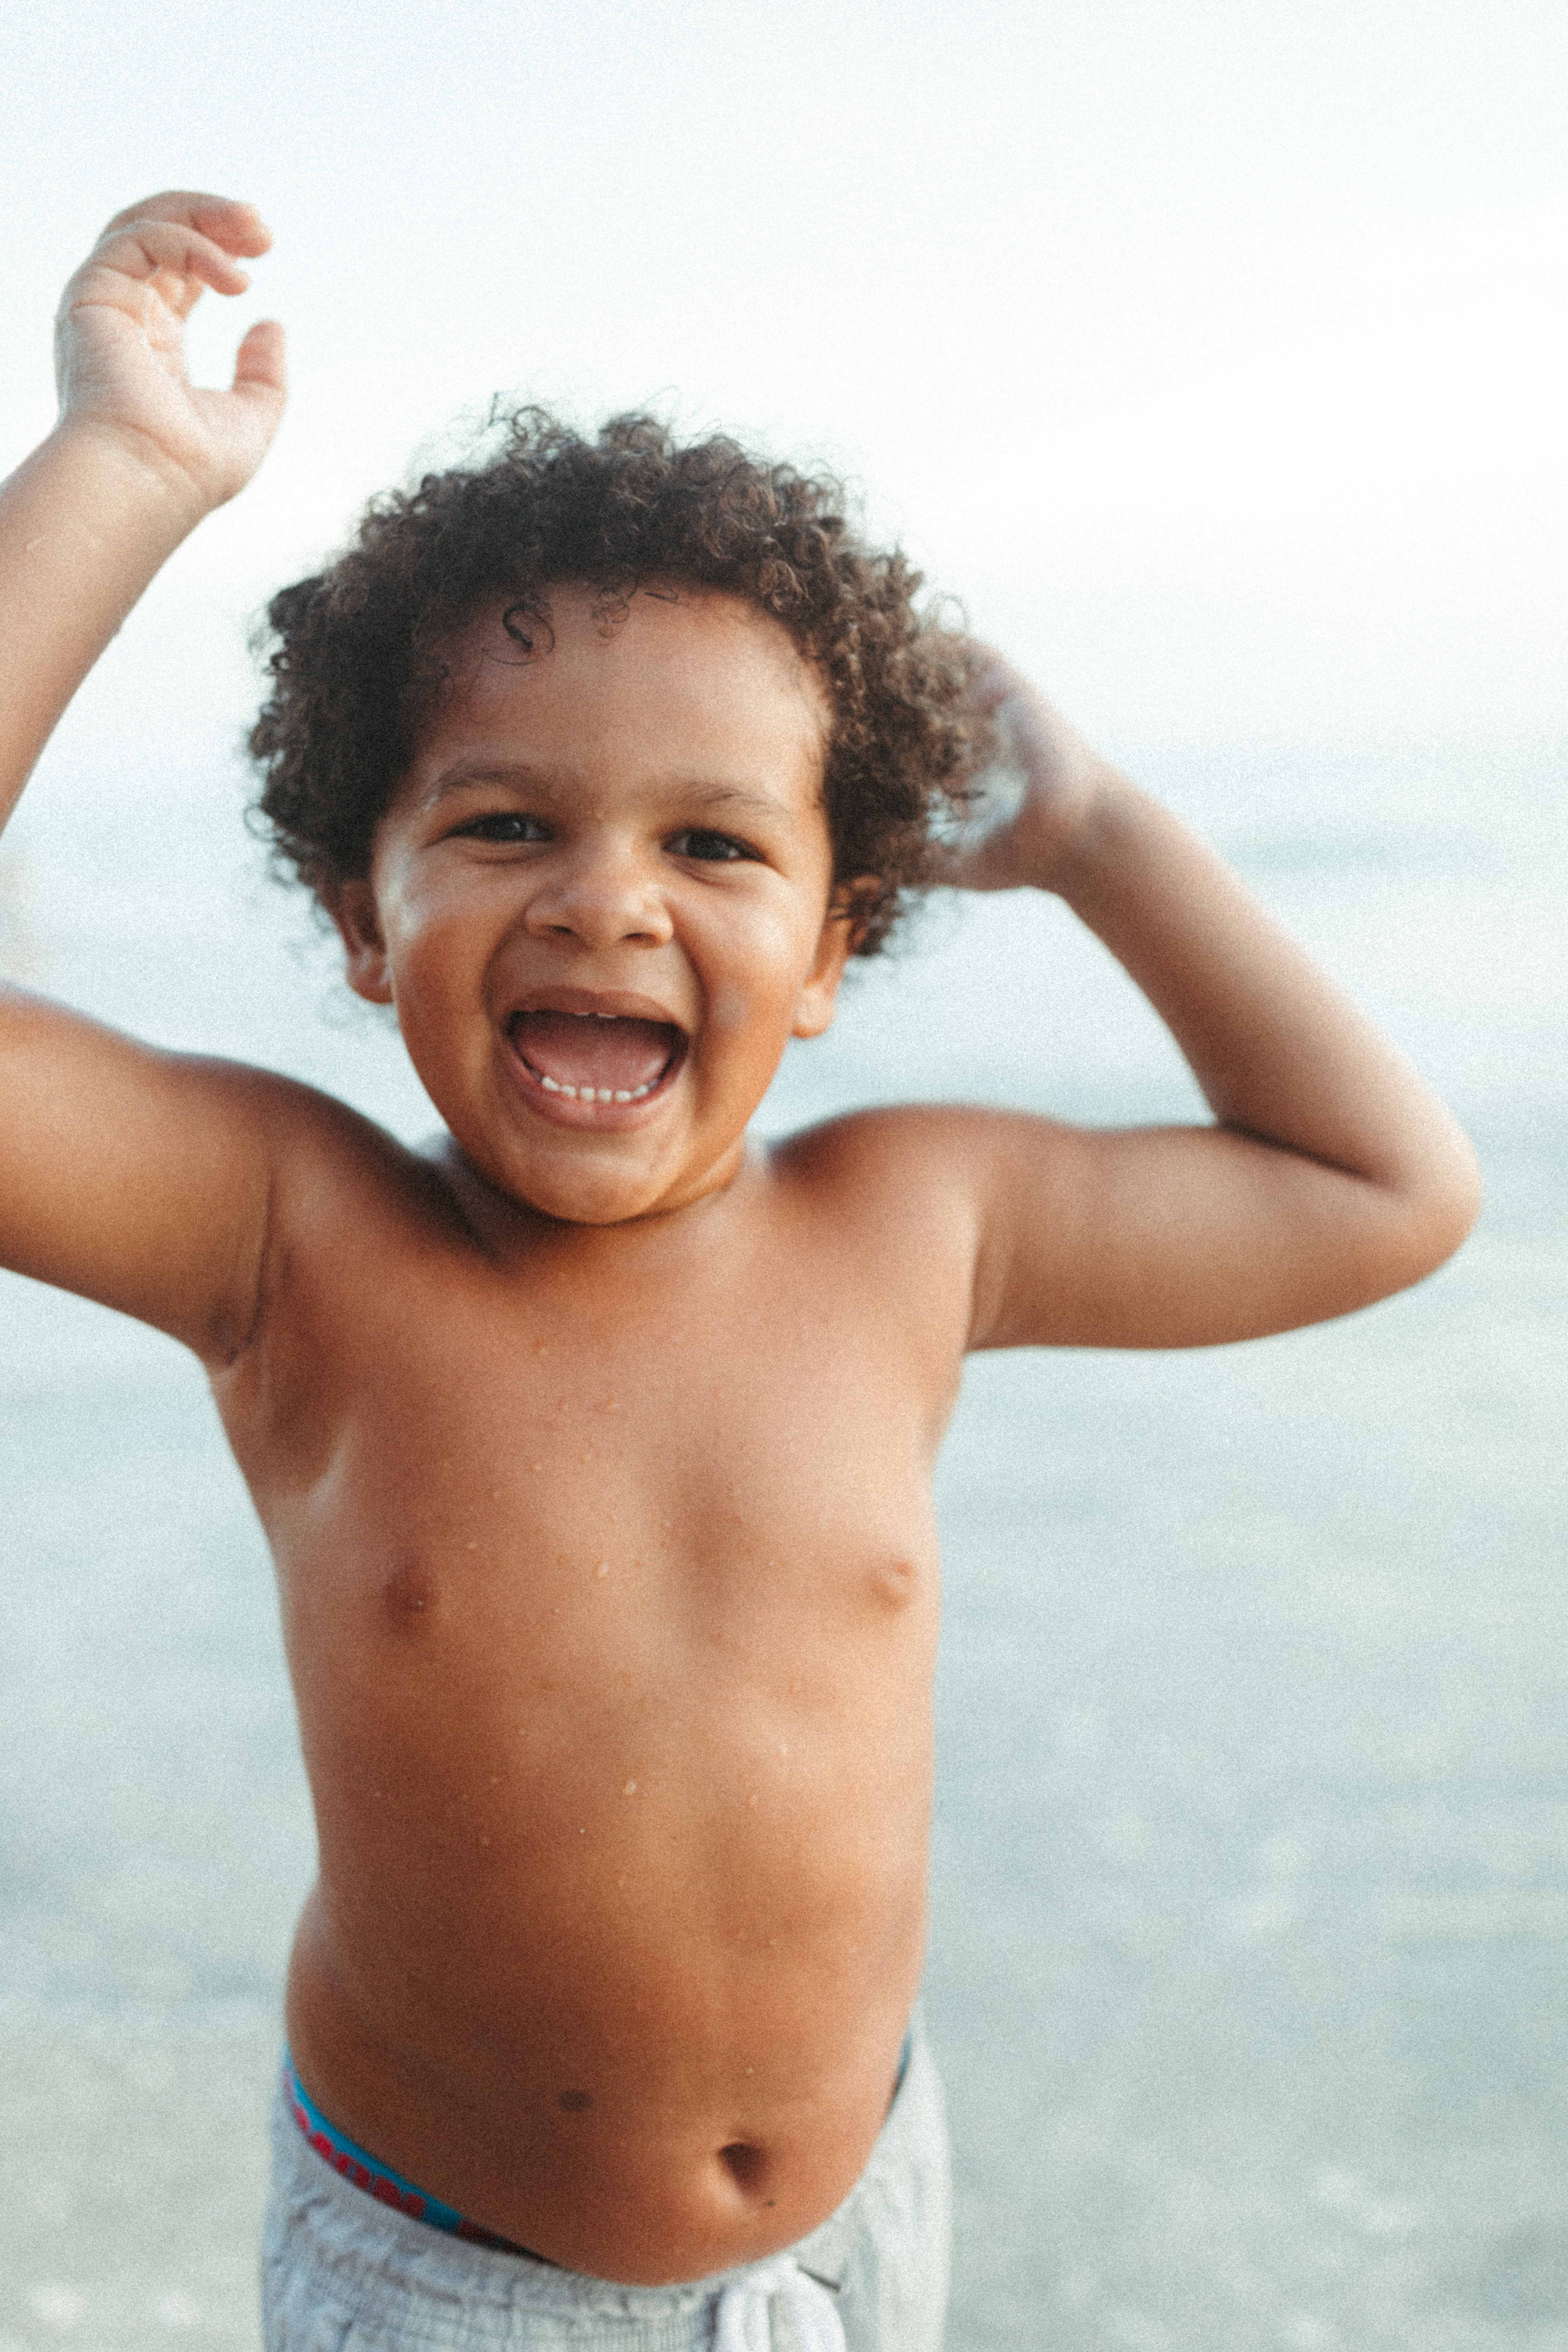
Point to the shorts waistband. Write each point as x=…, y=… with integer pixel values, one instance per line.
x=363, y=2171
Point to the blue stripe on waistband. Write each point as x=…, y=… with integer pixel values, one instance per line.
x=358, y=2167
x=377, y=2180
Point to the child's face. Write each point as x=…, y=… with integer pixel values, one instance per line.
x=599, y=900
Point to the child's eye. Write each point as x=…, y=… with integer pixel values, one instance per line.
x=719, y=848
x=504, y=826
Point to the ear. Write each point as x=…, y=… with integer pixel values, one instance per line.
x=352, y=907
x=820, y=994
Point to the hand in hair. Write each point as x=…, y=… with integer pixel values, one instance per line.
x=1033, y=810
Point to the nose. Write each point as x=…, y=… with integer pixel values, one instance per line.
x=601, y=894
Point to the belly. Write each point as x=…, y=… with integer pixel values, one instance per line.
x=621, y=1908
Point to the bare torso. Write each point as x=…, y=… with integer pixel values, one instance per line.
x=608, y=1576
x=609, y=1589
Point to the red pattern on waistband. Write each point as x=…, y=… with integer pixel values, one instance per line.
x=391, y=2192
x=375, y=2184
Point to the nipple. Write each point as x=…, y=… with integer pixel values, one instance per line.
x=406, y=1593
x=895, y=1581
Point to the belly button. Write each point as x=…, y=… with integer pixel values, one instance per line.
x=745, y=2165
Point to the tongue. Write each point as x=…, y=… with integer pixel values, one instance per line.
x=581, y=1050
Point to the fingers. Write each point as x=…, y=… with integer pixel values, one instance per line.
x=261, y=368
x=236, y=227
x=145, y=249
x=174, y=244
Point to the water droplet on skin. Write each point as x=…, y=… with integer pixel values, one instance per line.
x=603, y=1568
x=752, y=1798
x=630, y=1790
x=473, y=1547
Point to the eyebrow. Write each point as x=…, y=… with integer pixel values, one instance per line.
x=737, y=796
x=473, y=775
x=469, y=775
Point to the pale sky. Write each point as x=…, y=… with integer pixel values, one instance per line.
x=1216, y=355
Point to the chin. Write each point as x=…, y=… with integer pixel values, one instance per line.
x=579, y=1196
x=572, y=1210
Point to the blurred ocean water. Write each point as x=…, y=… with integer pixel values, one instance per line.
x=1251, y=1913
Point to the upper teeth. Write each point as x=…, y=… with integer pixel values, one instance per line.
x=597, y=1094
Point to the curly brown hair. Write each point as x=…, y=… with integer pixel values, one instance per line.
x=358, y=666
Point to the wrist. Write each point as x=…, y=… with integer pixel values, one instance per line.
x=117, y=476
x=1097, y=841
x=1094, y=809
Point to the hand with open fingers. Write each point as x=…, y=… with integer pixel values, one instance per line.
x=120, y=357
x=1033, y=810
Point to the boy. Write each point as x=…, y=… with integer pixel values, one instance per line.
x=593, y=1448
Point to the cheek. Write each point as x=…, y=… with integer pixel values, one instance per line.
x=427, y=928
x=732, y=1008
x=756, y=996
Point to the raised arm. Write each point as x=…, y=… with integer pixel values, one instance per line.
x=138, y=457
x=1332, y=1176
x=137, y=1177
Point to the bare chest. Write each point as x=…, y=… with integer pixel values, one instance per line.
x=580, y=1499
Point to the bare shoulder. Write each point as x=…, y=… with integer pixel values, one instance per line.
x=340, y=1160
x=916, y=1152
x=318, y=1149
x=363, y=1237
x=160, y=1183
x=354, y=1208
x=922, y=1189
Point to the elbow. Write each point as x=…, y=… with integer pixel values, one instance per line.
x=1458, y=1198
x=1442, y=1208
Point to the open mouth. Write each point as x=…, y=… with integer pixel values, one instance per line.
x=598, y=1057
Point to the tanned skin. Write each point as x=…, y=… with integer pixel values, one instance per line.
x=595, y=1447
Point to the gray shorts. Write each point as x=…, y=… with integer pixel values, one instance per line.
x=341, y=2272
